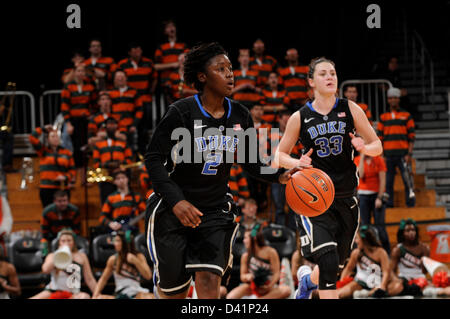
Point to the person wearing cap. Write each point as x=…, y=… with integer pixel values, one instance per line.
x=396, y=131
x=109, y=154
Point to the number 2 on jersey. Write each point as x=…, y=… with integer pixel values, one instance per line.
x=333, y=145
x=213, y=160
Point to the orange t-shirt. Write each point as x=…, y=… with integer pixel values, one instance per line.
x=370, y=180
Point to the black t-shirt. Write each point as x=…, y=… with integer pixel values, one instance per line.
x=201, y=178
x=333, y=151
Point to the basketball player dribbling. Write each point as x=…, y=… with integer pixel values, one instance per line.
x=190, y=224
x=327, y=127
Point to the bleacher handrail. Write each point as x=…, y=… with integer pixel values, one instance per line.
x=374, y=105
x=55, y=109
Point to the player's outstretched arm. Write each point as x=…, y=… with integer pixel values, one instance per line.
x=288, y=141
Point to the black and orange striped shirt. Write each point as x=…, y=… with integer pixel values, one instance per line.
x=78, y=100
x=105, y=64
x=52, y=164
x=238, y=183
x=140, y=76
x=272, y=98
x=126, y=107
x=169, y=53
x=53, y=221
x=111, y=150
x=145, y=183
x=264, y=66
x=396, y=131
x=178, y=87
x=97, y=123
x=118, y=205
x=294, y=80
x=247, y=97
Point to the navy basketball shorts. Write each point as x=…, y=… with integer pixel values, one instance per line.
x=178, y=251
x=334, y=229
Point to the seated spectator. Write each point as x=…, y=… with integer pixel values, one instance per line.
x=294, y=80
x=121, y=206
x=274, y=99
x=176, y=87
x=372, y=268
x=99, y=66
x=238, y=185
x=260, y=269
x=56, y=165
x=262, y=63
x=246, y=90
x=371, y=188
x=351, y=93
x=396, y=131
x=9, y=281
x=109, y=154
x=77, y=100
x=249, y=211
x=406, y=257
x=127, y=266
x=66, y=283
x=126, y=107
x=97, y=124
x=59, y=215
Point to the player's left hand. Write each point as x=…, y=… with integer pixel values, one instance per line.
x=357, y=142
x=284, y=178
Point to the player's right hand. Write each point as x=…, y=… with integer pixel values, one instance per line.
x=305, y=160
x=187, y=214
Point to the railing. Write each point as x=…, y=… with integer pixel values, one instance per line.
x=371, y=92
x=23, y=120
x=49, y=106
x=424, y=65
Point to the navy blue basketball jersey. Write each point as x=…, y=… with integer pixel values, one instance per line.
x=333, y=151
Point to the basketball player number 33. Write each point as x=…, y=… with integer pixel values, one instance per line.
x=333, y=145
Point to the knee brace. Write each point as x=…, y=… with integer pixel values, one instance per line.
x=329, y=267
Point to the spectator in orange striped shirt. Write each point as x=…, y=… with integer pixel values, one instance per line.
x=142, y=77
x=246, y=90
x=97, y=123
x=176, y=86
x=110, y=154
x=77, y=99
x=56, y=165
x=274, y=99
x=238, y=184
x=262, y=63
x=351, y=93
x=166, y=55
x=58, y=215
x=294, y=79
x=100, y=67
x=126, y=106
x=145, y=183
x=396, y=132
x=121, y=205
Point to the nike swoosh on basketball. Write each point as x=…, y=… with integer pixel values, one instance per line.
x=308, y=120
x=198, y=126
x=314, y=197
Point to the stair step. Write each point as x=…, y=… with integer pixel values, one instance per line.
x=432, y=124
x=424, y=197
x=431, y=154
x=430, y=144
x=431, y=107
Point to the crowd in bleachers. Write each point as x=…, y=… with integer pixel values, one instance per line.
x=108, y=115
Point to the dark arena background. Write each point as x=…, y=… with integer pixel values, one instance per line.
x=37, y=46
